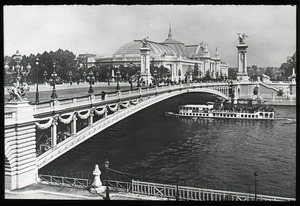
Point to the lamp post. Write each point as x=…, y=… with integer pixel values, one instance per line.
x=91, y=78
x=97, y=77
x=118, y=75
x=53, y=80
x=179, y=74
x=168, y=76
x=17, y=57
x=25, y=73
x=108, y=75
x=45, y=76
x=71, y=74
x=138, y=78
x=37, y=81
x=155, y=76
x=106, y=164
x=84, y=77
x=255, y=175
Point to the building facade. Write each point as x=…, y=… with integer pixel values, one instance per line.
x=179, y=58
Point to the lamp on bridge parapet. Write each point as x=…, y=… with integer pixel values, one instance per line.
x=97, y=76
x=25, y=73
x=108, y=76
x=70, y=75
x=45, y=76
x=255, y=175
x=84, y=77
x=17, y=57
x=155, y=77
x=91, y=80
x=118, y=75
x=138, y=78
x=179, y=74
x=53, y=81
x=37, y=81
x=168, y=77
x=106, y=164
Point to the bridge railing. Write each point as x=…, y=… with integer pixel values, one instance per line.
x=120, y=94
x=64, y=181
x=119, y=186
x=198, y=194
x=81, y=183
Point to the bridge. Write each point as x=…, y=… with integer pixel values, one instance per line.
x=35, y=135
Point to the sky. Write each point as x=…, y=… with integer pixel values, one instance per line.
x=103, y=29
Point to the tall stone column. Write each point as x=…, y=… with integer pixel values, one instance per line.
x=242, y=74
x=145, y=63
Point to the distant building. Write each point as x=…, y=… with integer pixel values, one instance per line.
x=172, y=54
x=87, y=60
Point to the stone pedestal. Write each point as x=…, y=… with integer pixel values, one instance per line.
x=20, y=145
x=97, y=184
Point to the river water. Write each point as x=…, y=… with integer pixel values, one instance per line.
x=212, y=154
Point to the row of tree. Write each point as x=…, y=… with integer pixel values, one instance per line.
x=66, y=62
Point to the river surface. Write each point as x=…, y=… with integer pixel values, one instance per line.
x=212, y=154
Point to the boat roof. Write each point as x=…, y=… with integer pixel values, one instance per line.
x=194, y=105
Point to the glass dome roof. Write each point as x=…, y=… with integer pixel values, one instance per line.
x=156, y=49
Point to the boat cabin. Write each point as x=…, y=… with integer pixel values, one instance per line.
x=194, y=108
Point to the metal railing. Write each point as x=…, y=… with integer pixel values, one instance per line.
x=80, y=183
x=197, y=194
x=118, y=186
x=64, y=181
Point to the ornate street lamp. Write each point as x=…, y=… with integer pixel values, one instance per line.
x=179, y=74
x=255, y=175
x=155, y=76
x=108, y=75
x=91, y=79
x=17, y=57
x=25, y=73
x=37, y=81
x=53, y=81
x=97, y=77
x=71, y=74
x=84, y=77
x=138, y=78
x=45, y=76
x=118, y=75
x=168, y=76
x=106, y=164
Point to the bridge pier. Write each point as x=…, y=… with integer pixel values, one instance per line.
x=20, y=145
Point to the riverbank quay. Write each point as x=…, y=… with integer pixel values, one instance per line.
x=50, y=192
x=281, y=102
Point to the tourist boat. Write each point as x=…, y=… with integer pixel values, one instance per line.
x=218, y=111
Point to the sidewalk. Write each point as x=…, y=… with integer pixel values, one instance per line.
x=47, y=192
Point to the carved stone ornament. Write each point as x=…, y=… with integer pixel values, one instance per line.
x=18, y=93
